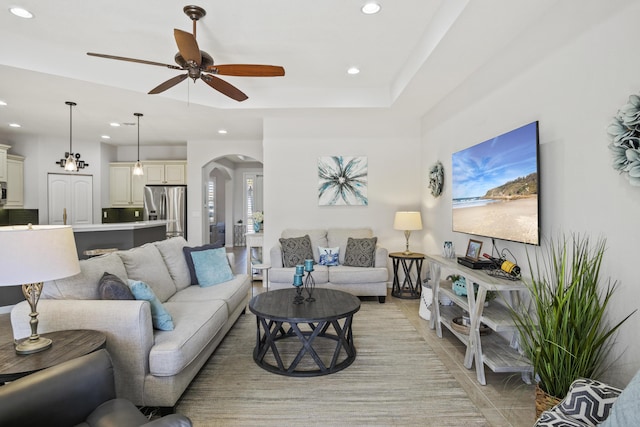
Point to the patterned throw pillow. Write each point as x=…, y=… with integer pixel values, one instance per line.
x=329, y=256
x=360, y=252
x=111, y=287
x=295, y=250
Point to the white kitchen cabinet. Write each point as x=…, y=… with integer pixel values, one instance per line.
x=3, y=162
x=125, y=189
x=166, y=172
x=70, y=199
x=15, y=182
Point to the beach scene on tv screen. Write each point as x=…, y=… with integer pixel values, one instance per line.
x=495, y=187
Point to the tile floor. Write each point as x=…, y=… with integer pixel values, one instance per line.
x=506, y=401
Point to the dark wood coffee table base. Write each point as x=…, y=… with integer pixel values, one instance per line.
x=304, y=344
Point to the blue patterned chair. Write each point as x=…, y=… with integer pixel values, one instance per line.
x=592, y=403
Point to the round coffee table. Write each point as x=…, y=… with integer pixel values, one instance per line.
x=308, y=339
x=66, y=345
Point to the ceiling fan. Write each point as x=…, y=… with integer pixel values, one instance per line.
x=199, y=64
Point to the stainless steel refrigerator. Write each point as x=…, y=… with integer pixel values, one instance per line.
x=167, y=202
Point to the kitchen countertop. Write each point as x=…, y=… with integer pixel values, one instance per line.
x=118, y=226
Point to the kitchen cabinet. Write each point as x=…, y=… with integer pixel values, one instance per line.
x=15, y=182
x=3, y=162
x=125, y=188
x=496, y=350
x=165, y=172
x=70, y=199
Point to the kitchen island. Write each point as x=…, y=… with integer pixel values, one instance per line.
x=92, y=238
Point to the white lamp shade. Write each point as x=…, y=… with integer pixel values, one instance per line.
x=407, y=221
x=38, y=253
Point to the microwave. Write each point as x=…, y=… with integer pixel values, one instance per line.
x=3, y=197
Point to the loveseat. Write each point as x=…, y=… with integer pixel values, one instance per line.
x=152, y=367
x=365, y=272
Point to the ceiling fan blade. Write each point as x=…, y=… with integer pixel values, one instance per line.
x=223, y=87
x=140, y=61
x=188, y=46
x=247, y=70
x=168, y=84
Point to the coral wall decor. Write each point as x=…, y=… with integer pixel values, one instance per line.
x=624, y=132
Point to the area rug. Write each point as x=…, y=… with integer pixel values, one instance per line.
x=396, y=380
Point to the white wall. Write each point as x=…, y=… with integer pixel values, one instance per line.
x=291, y=150
x=574, y=92
x=199, y=154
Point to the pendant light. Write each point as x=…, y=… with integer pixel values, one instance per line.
x=137, y=168
x=70, y=163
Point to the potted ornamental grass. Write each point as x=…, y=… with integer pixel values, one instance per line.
x=564, y=330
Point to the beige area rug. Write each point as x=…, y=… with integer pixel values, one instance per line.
x=396, y=380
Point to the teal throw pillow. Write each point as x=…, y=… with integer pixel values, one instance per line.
x=160, y=317
x=328, y=256
x=211, y=267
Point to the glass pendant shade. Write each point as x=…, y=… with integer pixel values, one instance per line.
x=137, y=168
x=70, y=164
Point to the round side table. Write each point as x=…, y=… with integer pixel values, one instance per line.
x=264, y=268
x=408, y=289
x=66, y=345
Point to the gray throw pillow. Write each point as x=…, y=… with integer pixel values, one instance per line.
x=295, y=250
x=360, y=252
x=111, y=287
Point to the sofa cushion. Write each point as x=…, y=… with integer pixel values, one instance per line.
x=211, y=267
x=360, y=252
x=196, y=324
x=233, y=292
x=159, y=315
x=111, y=287
x=339, y=237
x=318, y=238
x=346, y=275
x=146, y=263
x=85, y=285
x=329, y=256
x=171, y=251
x=295, y=250
x=187, y=251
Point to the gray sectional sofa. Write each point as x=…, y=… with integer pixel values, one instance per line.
x=359, y=281
x=152, y=367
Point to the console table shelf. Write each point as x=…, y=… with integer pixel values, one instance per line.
x=496, y=350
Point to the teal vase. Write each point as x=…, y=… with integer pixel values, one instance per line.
x=256, y=227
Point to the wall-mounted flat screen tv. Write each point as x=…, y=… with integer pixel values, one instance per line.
x=495, y=187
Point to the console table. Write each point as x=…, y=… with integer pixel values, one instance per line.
x=254, y=240
x=494, y=350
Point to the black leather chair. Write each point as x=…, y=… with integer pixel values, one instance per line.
x=80, y=392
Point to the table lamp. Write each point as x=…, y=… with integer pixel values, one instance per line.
x=29, y=256
x=407, y=221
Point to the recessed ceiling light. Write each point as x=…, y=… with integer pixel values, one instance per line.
x=222, y=131
x=105, y=137
x=14, y=125
x=22, y=13
x=353, y=70
x=370, y=8
x=2, y=103
x=114, y=124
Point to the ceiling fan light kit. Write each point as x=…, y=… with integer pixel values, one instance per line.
x=200, y=65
